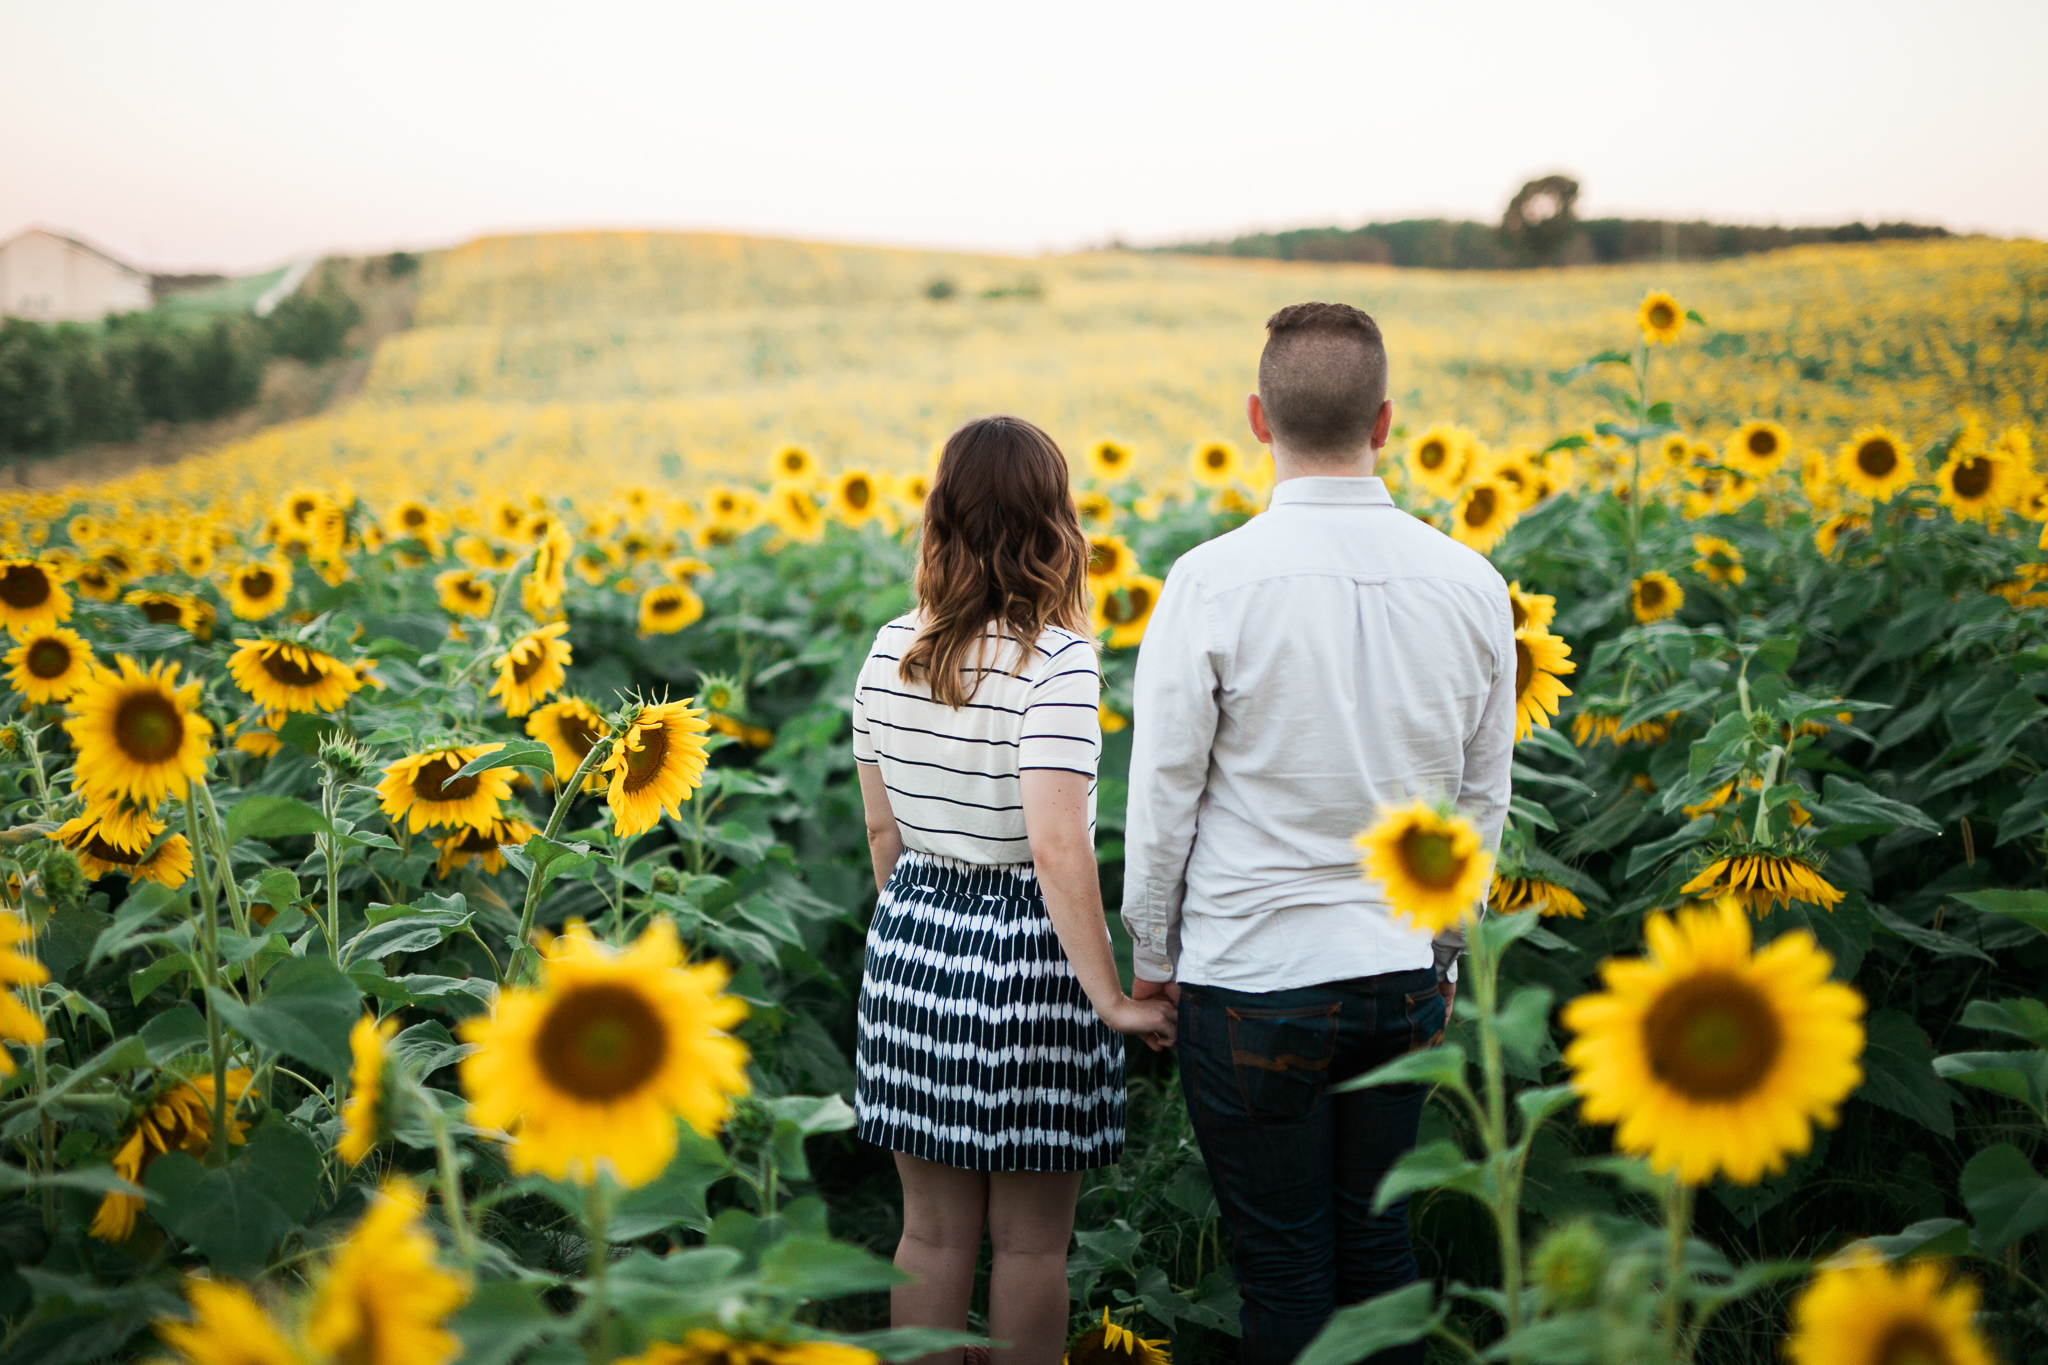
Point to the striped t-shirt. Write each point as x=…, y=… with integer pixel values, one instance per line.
x=952, y=775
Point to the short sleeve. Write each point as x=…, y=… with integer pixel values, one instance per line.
x=1063, y=717
x=863, y=739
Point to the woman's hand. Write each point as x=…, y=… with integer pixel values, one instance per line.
x=1153, y=1020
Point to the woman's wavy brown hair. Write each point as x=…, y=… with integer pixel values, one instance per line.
x=1002, y=547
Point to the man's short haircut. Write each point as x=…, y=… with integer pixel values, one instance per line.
x=1322, y=378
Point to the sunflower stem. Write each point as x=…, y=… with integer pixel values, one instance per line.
x=1678, y=1224
x=236, y=911
x=596, y=1265
x=35, y=765
x=1763, y=791
x=451, y=1177
x=1507, y=1215
x=39, y=1055
x=330, y=845
x=523, y=955
x=209, y=966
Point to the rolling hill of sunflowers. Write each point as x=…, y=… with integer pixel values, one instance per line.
x=434, y=873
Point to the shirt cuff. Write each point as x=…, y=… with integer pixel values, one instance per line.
x=1147, y=966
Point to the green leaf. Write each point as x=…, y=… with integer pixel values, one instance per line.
x=2028, y=907
x=502, y=1319
x=1408, y=1314
x=675, y=1198
x=2022, y=1076
x=898, y=1343
x=2006, y=1197
x=2023, y=1018
x=1898, y=1072
x=273, y=817
x=515, y=753
x=414, y=933
x=811, y=1268
x=123, y=1054
x=554, y=859
x=91, y=1179
x=1849, y=803
x=276, y=888
x=814, y=1113
x=1933, y=1237
x=1440, y=1065
x=1538, y=1103
x=1523, y=1026
x=173, y=1031
x=283, y=1163
x=307, y=1010
x=1439, y=1165
x=1933, y=940
x=227, y=1215
x=1570, y=1338
x=143, y=905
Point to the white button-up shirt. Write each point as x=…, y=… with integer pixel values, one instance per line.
x=1331, y=656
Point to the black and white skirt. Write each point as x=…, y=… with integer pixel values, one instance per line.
x=978, y=1049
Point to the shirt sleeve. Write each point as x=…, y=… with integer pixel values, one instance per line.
x=863, y=738
x=1063, y=717
x=1175, y=705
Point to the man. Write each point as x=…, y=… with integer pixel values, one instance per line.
x=1332, y=656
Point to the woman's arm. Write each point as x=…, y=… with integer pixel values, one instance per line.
x=885, y=841
x=1056, y=820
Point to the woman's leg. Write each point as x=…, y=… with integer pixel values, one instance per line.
x=944, y=1209
x=1030, y=1221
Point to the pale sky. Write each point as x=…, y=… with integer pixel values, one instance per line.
x=214, y=135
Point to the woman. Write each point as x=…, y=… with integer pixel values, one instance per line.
x=990, y=1004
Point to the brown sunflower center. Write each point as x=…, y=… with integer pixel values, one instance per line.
x=665, y=604
x=532, y=662
x=1127, y=607
x=474, y=840
x=435, y=779
x=289, y=671
x=1712, y=1037
x=1520, y=613
x=600, y=1043
x=1215, y=457
x=303, y=508
x=49, y=658
x=1479, y=508
x=578, y=732
x=469, y=588
x=1650, y=593
x=412, y=518
x=99, y=848
x=259, y=582
x=1102, y=559
x=161, y=612
x=643, y=764
x=1973, y=478
x=1911, y=1343
x=1525, y=667
x=793, y=461
x=1432, y=455
x=859, y=493
x=1763, y=442
x=1661, y=315
x=24, y=586
x=1431, y=858
x=149, y=728
x=1877, y=458
x=1111, y=456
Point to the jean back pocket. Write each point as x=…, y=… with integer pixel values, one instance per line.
x=1282, y=1060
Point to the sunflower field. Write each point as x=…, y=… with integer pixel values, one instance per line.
x=435, y=884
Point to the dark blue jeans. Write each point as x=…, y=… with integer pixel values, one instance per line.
x=1294, y=1166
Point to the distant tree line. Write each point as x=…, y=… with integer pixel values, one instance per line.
x=66, y=384
x=1538, y=228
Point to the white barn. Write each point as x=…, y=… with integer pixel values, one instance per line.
x=50, y=276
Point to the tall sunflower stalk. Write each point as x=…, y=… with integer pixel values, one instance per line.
x=524, y=961
x=209, y=961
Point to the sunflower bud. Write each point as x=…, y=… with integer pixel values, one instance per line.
x=667, y=880
x=344, y=757
x=10, y=739
x=1568, y=1263
x=62, y=877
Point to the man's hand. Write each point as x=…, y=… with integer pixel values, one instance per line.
x=1141, y=989
x=1449, y=991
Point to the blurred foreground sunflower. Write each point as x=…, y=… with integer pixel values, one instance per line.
x=1873, y=463
x=31, y=598
x=657, y=762
x=226, y=1327
x=1713, y=1059
x=1976, y=485
x=365, y=1115
x=1429, y=862
x=384, y=1299
x=1869, y=1313
x=593, y=1065
x=706, y=1347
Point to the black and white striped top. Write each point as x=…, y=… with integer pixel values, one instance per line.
x=952, y=775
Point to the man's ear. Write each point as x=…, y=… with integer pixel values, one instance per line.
x=1255, y=413
x=1380, y=429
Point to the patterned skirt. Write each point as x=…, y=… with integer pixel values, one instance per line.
x=978, y=1049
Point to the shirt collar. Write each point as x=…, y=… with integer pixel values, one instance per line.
x=1369, y=492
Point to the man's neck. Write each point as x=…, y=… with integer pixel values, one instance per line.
x=1360, y=466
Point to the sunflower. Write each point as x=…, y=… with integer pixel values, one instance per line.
x=412, y=519
x=49, y=664
x=685, y=569
x=282, y=676
x=365, y=1115
x=425, y=790
x=1095, y=510
x=794, y=512
x=1673, y=457
x=261, y=738
x=227, y=1327
x=1874, y=464
x=300, y=509
x=31, y=598
x=479, y=553
x=1590, y=727
x=532, y=668
x=1756, y=448
x=105, y=849
x=655, y=765
x=1124, y=610
x=462, y=593
x=1660, y=317
x=1438, y=459
x=1977, y=484
x=1762, y=880
x=181, y=1120
x=1711, y=1058
x=384, y=1299
x=856, y=497
x=1515, y=472
x=668, y=608
x=1110, y=1343
x=548, y=578
x=1828, y=535
x=1540, y=659
x=1866, y=1312
x=1214, y=463
x=706, y=1347
x=569, y=727
x=794, y=464
x=1432, y=867
x=136, y=732
x=1655, y=596
x=483, y=846
x=1109, y=460
x=18, y=1023
x=98, y=582
x=1511, y=894
x=259, y=588
x=595, y=1064
x=1530, y=608
x=1110, y=561
x=912, y=490
x=1482, y=515
x=1719, y=560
